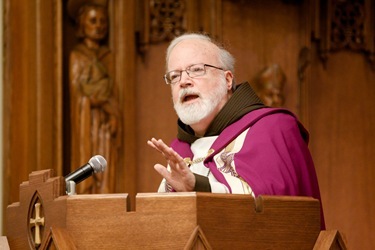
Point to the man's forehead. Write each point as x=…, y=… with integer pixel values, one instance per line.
x=201, y=45
x=193, y=51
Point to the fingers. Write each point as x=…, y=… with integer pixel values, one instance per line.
x=175, y=161
x=168, y=153
x=178, y=175
x=157, y=144
x=151, y=144
x=162, y=171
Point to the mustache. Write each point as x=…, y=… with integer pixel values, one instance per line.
x=185, y=92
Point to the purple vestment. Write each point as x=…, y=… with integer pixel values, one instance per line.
x=274, y=158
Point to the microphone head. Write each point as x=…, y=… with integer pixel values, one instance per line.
x=98, y=163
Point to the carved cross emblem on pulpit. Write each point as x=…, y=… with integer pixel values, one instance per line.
x=37, y=222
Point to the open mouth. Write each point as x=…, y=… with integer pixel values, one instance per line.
x=188, y=98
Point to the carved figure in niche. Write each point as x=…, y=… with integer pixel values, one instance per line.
x=95, y=117
x=269, y=84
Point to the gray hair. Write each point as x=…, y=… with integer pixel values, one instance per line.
x=225, y=57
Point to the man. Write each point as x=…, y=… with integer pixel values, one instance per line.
x=228, y=141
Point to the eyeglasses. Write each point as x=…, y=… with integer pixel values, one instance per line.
x=192, y=71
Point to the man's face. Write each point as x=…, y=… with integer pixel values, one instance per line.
x=95, y=24
x=198, y=99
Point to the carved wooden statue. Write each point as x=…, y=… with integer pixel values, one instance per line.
x=269, y=84
x=94, y=110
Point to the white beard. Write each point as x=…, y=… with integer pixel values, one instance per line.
x=195, y=112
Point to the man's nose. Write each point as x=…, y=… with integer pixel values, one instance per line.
x=185, y=79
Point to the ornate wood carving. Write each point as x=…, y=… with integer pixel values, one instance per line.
x=94, y=109
x=167, y=19
x=162, y=20
x=345, y=25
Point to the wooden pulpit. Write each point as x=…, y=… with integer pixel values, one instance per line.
x=47, y=218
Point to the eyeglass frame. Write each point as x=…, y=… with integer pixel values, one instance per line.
x=187, y=72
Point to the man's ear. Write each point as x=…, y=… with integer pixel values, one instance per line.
x=229, y=79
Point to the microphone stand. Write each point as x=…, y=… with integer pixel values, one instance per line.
x=71, y=188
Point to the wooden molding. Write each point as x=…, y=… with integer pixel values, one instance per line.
x=330, y=239
x=198, y=240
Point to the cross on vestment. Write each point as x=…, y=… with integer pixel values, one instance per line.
x=37, y=222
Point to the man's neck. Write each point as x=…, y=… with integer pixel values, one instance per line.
x=201, y=127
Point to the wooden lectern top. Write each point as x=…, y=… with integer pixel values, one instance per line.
x=46, y=218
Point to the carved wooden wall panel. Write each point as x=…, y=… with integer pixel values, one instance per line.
x=32, y=91
x=123, y=43
x=260, y=35
x=340, y=116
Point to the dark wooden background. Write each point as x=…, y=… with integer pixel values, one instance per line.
x=330, y=86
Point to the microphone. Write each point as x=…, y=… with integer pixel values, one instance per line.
x=96, y=164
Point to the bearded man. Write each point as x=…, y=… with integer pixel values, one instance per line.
x=228, y=141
